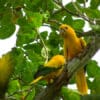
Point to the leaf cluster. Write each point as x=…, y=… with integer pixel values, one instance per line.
x=33, y=47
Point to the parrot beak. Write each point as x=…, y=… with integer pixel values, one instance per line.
x=62, y=32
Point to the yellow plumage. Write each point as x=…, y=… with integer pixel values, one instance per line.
x=56, y=62
x=72, y=47
x=5, y=72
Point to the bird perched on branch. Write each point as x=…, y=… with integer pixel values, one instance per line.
x=72, y=47
x=50, y=70
x=6, y=68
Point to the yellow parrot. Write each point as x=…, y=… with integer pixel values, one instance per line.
x=72, y=47
x=6, y=68
x=50, y=70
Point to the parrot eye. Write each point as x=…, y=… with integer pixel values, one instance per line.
x=66, y=27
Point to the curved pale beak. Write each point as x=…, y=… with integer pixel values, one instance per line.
x=62, y=32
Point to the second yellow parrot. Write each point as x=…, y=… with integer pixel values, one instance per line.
x=6, y=68
x=50, y=70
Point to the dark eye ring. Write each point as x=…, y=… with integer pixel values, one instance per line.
x=66, y=27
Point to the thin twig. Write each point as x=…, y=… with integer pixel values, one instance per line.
x=16, y=92
x=82, y=14
x=54, y=21
x=46, y=51
x=21, y=91
x=67, y=10
x=28, y=92
x=88, y=33
x=84, y=3
x=74, y=5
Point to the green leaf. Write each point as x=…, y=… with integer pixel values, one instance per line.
x=44, y=34
x=47, y=5
x=94, y=86
x=52, y=39
x=7, y=28
x=95, y=89
x=16, y=3
x=94, y=4
x=27, y=74
x=31, y=95
x=68, y=20
x=37, y=47
x=57, y=16
x=26, y=65
x=36, y=58
x=22, y=66
x=72, y=80
x=14, y=90
x=90, y=97
x=38, y=6
x=13, y=86
x=26, y=33
x=93, y=70
x=25, y=38
x=19, y=58
x=46, y=16
x=78, y=24
x=92, y=13
x=96, y=28
x=69, y=94
x=80, y=1
x=35, y=19
x=54, y=42
x=2, y=2
x=25, y=25
x=70, y=7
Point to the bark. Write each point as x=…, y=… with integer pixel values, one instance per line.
x=70, y=69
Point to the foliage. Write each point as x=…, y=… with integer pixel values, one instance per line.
x=32, y=45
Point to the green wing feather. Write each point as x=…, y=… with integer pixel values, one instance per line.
x=43, y=71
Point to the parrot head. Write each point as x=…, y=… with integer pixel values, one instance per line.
x=66, y=31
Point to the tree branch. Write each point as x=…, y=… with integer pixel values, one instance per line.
x=70, y=69
x=77, y=14
x=88, y=33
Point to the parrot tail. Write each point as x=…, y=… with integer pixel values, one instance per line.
x=81, y=82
